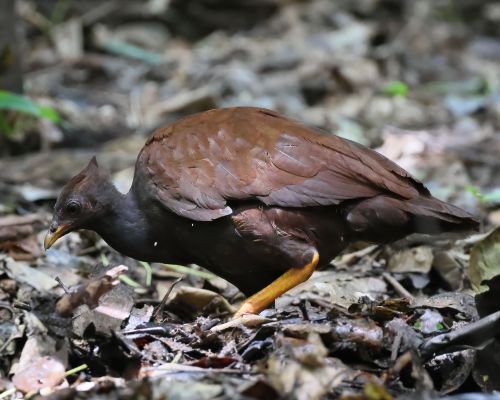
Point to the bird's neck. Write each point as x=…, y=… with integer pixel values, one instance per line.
x=126, y=229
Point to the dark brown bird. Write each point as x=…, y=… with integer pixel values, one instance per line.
x=255, y=197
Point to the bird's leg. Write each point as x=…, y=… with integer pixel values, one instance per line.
x=291, y=278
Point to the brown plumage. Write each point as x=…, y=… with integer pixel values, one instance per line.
x=250, y=195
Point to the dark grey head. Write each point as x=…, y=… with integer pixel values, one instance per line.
x=82, y=203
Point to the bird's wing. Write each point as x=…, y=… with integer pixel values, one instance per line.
x=202, y=163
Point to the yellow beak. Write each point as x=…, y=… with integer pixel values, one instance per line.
x=51, y=238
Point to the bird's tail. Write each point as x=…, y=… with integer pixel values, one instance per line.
x=431, y=215
x=384, y=218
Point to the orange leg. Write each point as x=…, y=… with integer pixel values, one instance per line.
x=291, y=278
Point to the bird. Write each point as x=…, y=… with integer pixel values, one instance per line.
x=257, y=198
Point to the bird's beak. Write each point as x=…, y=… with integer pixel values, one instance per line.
x=52, y=237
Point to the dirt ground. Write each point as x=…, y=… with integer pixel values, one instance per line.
x=417, y=80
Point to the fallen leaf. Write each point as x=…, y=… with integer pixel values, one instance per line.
x=42, y=363
x=417, y=259
x=90, y=293
x=340, y=288
x=44, y=372
x=485, y=261
x=22, y=272
x=304, y=372
x=197, y=299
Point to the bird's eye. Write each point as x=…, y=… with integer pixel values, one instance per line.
x=73, y=208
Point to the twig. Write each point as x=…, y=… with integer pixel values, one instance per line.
x=474, y=335
x=61, y=283
x=8, y=392
x=395, y=346
x=173, y=368
x=399, y=364
x=150, y=330
x=177, y=358
x=303, y=309
x=88, y=250
x=22, y=306
x=397, y=286
x=159, y=309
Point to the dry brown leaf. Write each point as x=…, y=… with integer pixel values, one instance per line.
x=43, y=372
x=90, y=293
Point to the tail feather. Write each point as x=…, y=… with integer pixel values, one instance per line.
x=383, y=219
x=431, y=215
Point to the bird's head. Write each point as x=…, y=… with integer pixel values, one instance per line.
x=81, y=203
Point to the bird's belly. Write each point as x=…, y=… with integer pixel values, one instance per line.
x=255, y=245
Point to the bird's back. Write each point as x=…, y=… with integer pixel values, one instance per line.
x=204, y=163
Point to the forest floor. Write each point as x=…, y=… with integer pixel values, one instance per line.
x=418, y=81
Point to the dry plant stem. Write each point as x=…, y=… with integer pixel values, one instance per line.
x=398, y=366
x=22, y=306
x=395, y=346
x=88, y=250
x=61, y=283
x=474, y=335
x=174, y=368
x=159, y=309
x=397, y=286
x=8, y=392
x=303, y=309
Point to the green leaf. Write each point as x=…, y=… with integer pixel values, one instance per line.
x=123, y=48
x=149, y=272
x=189, y=271
x=76, y=370
x=474, y=191
x=485, y=261
x=104, y=260
x=417, y=324
x=492, y=197
x=14, y=102
x=129, y=281
x=395, y=88
x=50, y=114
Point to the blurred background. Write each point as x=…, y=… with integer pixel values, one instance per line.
x=420, y=80
x=417, y=80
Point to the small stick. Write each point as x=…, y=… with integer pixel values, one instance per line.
x=8, y=392
x=397, y=286
x=22, y=306
x=61, y=283
x=303, y=310
x=395, y=346
x=159, y=309
x=474, y=335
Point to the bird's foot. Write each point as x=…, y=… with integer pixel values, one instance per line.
x=291, y=278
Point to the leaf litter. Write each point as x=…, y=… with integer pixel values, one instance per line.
x=417, y=319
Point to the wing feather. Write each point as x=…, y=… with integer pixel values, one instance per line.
x=201, y=163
